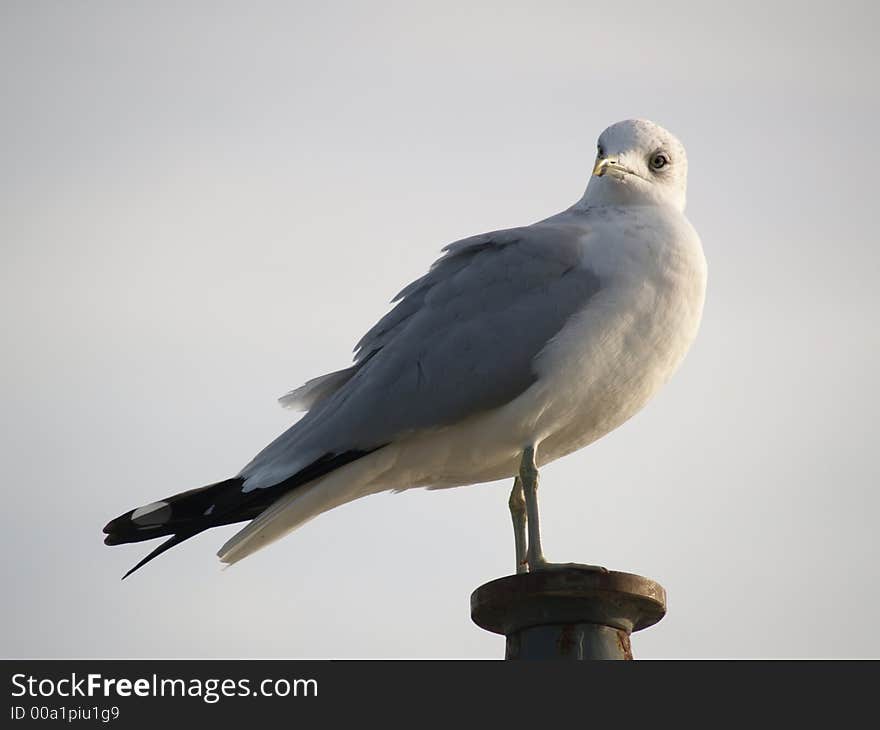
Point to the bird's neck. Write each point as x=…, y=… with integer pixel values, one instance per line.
x=607, y=192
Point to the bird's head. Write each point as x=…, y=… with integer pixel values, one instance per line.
x=638, y=163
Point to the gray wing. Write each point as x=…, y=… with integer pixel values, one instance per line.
x=461, y=340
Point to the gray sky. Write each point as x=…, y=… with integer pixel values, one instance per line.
x=204, y=205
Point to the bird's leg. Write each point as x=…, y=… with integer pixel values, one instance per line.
x=528, y=476
x=517, y=504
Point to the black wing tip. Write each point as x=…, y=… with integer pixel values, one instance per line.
x=118, y=522
x=167, y=545
x=123, y=530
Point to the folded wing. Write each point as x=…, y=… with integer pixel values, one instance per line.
x=461, y=340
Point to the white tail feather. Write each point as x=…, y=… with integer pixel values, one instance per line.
x=293, y=510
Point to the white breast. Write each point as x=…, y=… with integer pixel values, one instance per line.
x=598, y=371
x=609, y=360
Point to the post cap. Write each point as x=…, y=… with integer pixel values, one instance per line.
x=567, y=596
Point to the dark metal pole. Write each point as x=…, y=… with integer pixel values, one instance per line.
x=568, y=613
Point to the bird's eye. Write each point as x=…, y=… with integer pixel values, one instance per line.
x=659, y=160
x=600, y=151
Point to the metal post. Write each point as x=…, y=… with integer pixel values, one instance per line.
x=568, y=613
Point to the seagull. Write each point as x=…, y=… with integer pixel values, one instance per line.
x=517, y=347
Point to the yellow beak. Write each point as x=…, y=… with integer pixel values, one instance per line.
x=602, y=165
